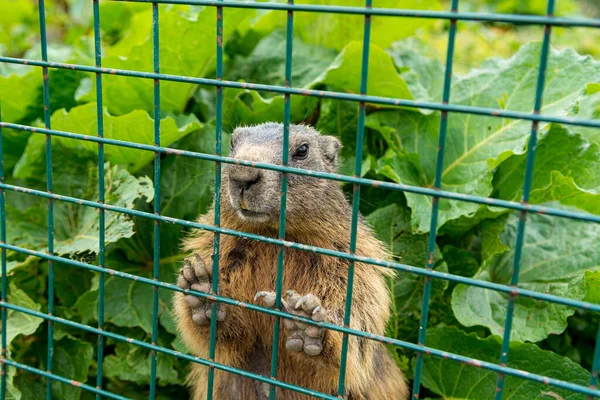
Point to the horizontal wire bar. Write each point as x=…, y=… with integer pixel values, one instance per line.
x=399, y=343
x=54, y=377
x=390, y=12
x=536, y=209
x=493, y=112
x=513, y=291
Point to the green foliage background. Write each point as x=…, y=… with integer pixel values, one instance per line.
x=496, y=66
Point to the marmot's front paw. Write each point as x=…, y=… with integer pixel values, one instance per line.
x=301, y=336
x=195, y=276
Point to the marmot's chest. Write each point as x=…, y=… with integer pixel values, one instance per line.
x=248, y=269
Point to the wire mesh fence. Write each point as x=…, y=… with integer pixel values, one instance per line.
x=453, y=17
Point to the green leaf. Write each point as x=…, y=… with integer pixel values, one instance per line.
x=341, y=73
x=592, y=88
x=127, y=303
x=339, y=118
x=460, y=261
x=72, y=359
x=588, y=107
x=266, y=65
x=19, y=323
x=186, y=187
x=79, y=234
x=556, y=254
x=76, y=227
x=592, y=286
x=248, y=107
x=424, y=76
x=132, y=364
x=136, y=127
x=336, y=30
x=15, y=389
x=475, y=145
x=345, y=73
x=14, y=108
x=184, y=50
x=392, y=225
x=453, y=380
x=567, y=168
x=266, y=62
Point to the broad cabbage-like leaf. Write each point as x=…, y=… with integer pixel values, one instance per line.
x=453, y=380
x=475, y=145
x=336, y=30
x=392, y=225
x=132, y=364
x=556, y=254
x=567, y=169
x=137, y=127
x=19, y=323
x=72, y=359
x=128, y=303
x=424, y=76
x=76, y=227
x=187, y=47
x=341, y=73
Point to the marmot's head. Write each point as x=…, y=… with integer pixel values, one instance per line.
x=254, y=194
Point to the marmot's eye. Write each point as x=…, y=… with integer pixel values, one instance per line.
x=301, y=152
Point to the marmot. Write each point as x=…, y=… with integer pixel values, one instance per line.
x=314, y=285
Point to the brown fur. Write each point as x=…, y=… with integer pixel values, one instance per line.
x=244, y=338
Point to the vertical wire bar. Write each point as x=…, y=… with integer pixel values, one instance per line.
x=595, y=366
x=217, y=201
x=356, y=195
x=525, y=199
x=156, y=257
x=44, y=45
x=100, y=122
x=4, y=277
x=284, y=186
x=435, y=202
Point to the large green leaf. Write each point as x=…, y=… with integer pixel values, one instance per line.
x=19, y=323
x=392, y=225
x=137, y=127
x=320, y=69
x=132, y=364
x=336, y=30
x=14, y=108
x=424, y=75
x=187, y=47
x=186, y=188
x=128, y=303
x=266, y=62
x=383, y=79
x=556, y=254
x=76, y=227
x=475, y=145
x=27, y=82
x=588, y=107
x=457, y=381
x=567, y=168
x=72, y=359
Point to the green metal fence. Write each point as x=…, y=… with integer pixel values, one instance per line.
x=452, y=16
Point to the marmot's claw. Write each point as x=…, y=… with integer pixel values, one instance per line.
x=269, y=299
x=302, y=336
x=194, y=275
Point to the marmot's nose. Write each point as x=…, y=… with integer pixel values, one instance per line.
x=244, y=180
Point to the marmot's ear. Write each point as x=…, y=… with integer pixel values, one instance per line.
x=330, y=148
